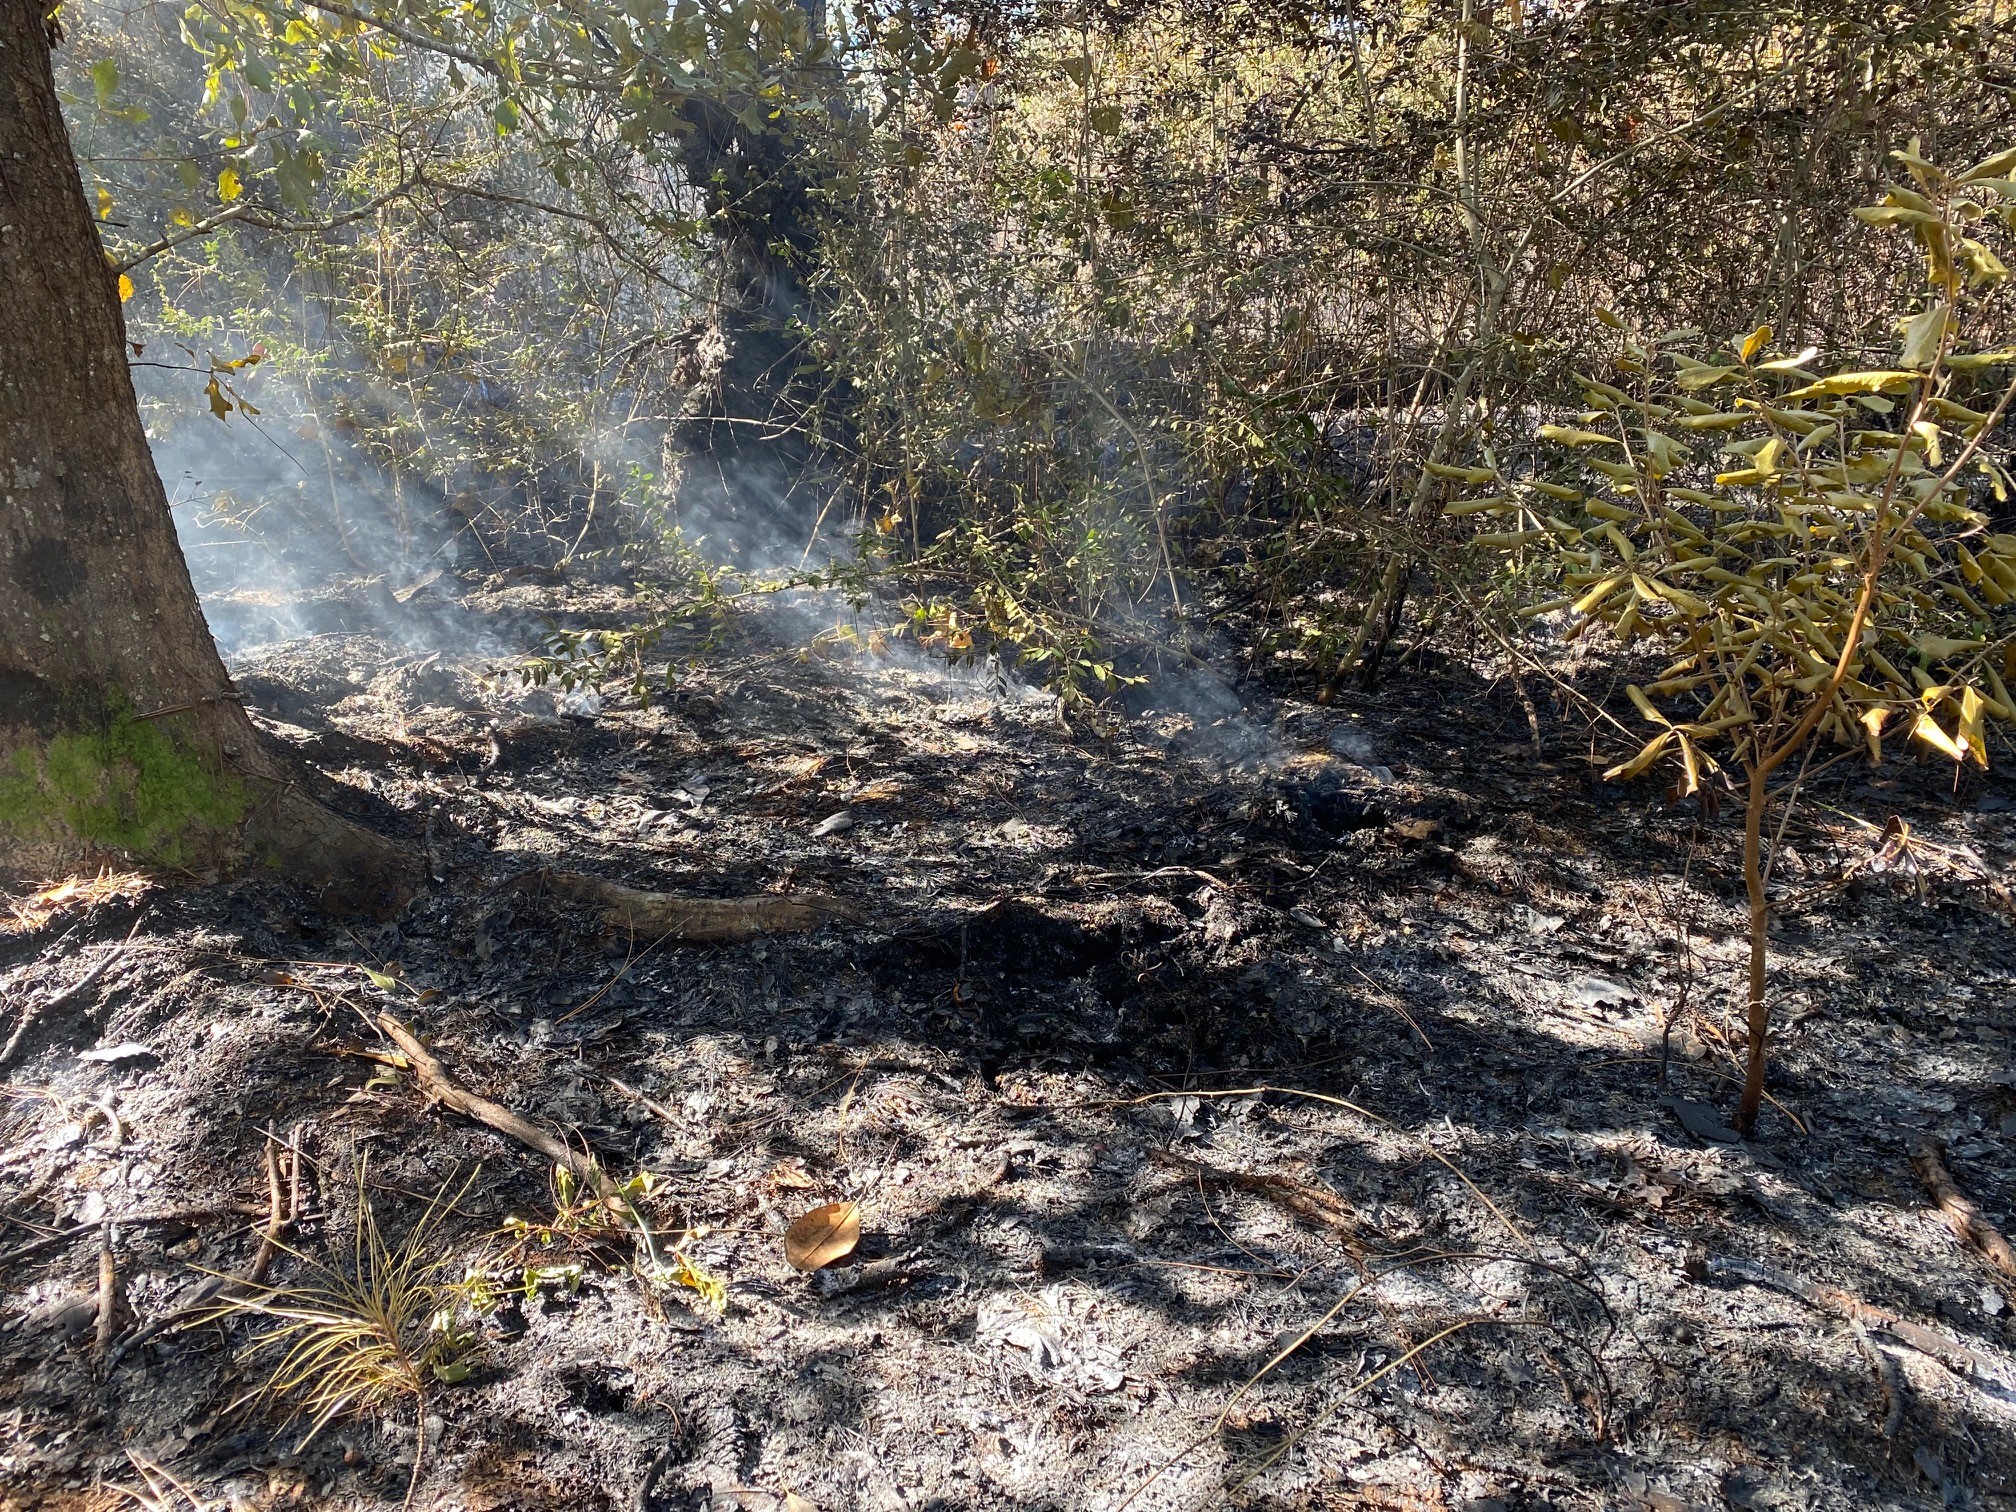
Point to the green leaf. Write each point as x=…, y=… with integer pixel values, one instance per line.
x=104, y=81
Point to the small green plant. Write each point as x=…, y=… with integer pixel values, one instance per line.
x=1828, y=576
x=556, y=1252
x=363, y=1332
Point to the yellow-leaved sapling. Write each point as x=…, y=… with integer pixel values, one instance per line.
x=1802, y=543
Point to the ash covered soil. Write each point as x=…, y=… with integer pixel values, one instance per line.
x=1268, y=1106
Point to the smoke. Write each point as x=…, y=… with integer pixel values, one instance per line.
x=290, y=532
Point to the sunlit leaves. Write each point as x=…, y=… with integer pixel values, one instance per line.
x=1837, y=575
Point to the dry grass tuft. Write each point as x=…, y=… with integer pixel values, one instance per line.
x=27, y=912
x=364, y=1332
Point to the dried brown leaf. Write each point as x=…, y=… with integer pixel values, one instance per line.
x=818, y=1238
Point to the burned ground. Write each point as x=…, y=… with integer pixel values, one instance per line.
x=1157, y=1045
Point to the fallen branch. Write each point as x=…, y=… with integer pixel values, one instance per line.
x=699, y=920
x=441, y=1088
x=1955, y=1356
x=1970, y=1226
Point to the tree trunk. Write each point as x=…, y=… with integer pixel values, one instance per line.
x=120, y=734
x=746, y=476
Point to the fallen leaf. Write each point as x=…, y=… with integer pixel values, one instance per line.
x=1702, y=1121
x=126, y=1051
x=818, y=1238
x=833, y=824
x=1415, y=829
x=789, y=1174
x=1596, y=992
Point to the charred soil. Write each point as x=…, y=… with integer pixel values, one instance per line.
x=1362, y=1042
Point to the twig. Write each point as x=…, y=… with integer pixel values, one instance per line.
x=276, y=1218
x=649, y=1484
x=1309, y=1202
x=1892, y=1378
x=57, y=1240
x=1969, y=1224
x=108, y=1294
x=1385, y=1123
x=655, y=1107
x=1393, y=1001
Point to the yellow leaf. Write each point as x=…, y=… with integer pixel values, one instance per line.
x=125, y=288
x=1596, y=595
x=1872, y=731
x=1651, y=752
x=1700, y=376
x=1555, y=491
x=1752, y=344
x=229, y=185
x=1923, y=335
x=1942, y=647
x=1637, y=694
x=818, y=1238
x=712, y=1289
x=1568, y=435
x=1789, y=364
x=1688, y=759
x=1926, y=728
x=1971, y=733
x=1998, y=166
x=104, y=203
x=1842, y=384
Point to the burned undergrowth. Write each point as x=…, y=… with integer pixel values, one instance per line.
x=1149, y=1045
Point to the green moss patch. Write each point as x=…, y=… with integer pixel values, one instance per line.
x=126, y=785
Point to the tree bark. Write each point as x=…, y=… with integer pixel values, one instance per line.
x=746, y=476
x=120, y=733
